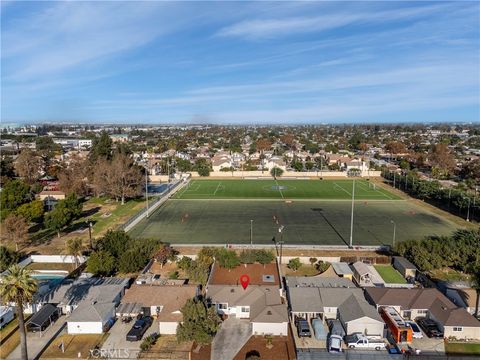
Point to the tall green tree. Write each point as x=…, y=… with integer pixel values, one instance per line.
x=227, y=259
x=14, y=194
x=101, y=263
x=101, y=147
x=31, y=211
x=200, y=322
x=8, y=257
x=19, y=286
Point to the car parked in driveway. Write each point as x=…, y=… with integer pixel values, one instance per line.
x=139, y=328
x=429, y=327
x=416, y=331
x=303, y=330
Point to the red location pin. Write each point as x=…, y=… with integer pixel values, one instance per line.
x=244, y=280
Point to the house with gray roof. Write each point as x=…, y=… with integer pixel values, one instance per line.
x=347, y=304
x=454, y=321
x=261, y=304
x=319, y=281
x=88, y=303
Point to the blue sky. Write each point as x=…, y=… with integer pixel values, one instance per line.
x=245, y=63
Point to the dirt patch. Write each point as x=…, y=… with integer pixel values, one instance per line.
x=277, y=348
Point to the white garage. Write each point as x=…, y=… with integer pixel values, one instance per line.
x=91, y=318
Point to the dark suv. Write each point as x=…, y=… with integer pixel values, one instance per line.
x=303, y=330
x=429, y=327
x=139, y=328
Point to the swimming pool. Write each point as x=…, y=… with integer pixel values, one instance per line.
x=48, y=279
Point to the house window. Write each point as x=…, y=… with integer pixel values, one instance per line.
x=458, y=328
x=245, y=309
x=222, y=306
x=422, y=312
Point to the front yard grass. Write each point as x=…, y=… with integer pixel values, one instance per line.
x=462, y=348
x=74, y=345
x=389, y=274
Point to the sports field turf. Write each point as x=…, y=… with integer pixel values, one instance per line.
x=283, y=189
x=306, y=218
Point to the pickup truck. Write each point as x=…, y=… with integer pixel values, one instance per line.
x=362, y=342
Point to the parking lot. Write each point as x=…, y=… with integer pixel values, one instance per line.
x=116, y=341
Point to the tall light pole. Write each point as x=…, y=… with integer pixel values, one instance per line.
x=394, y=232
x=146, y=188
x=280, y=230
x=351, y=217
x=468, y=210
x=251, y=232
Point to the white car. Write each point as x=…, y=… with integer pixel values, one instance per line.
x=417, y=332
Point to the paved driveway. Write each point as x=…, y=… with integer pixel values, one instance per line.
x=37, y=341
x=116, y=341
x=231, y=337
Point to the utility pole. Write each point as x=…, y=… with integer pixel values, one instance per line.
x=146, y=188
x=251, y=232
x=394, y=179
x=280, y=230
x=351, y=218
x=468, y=210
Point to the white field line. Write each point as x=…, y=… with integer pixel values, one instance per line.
x=186, y=188
x=348, y=192
x=218, y=187
x=376, y=191
x=278, y=187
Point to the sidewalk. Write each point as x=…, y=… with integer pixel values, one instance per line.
x=36, y=343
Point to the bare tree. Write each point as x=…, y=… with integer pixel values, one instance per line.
x=120, y=178
x=29, y=165
x=73, y=178
x=126, y=178
x=16, y=229
x=441, y=158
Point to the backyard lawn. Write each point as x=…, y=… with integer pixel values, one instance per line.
x=390, y=275
x=462, y=348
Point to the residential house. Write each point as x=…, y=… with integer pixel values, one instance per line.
x=88, y=303
x=427, y=302
x=463, y=296
x=163, y=302
x=260, y=302
x=344, y=303
x=262, y=305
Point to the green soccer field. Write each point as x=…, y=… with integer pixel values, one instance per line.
x=206, y=213
x=284, y=189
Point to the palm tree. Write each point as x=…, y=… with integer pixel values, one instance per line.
x=476, y=285
x=74, y=247
x=19, y=286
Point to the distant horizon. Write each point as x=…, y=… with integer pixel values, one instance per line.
x=240, y=62
x=139, y=124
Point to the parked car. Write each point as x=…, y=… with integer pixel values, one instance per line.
x=303, y=330
x=335, y=344
x=416, y=332
x=138, y=329
x=362, y=342
x=429, y=327
x=336, y=327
